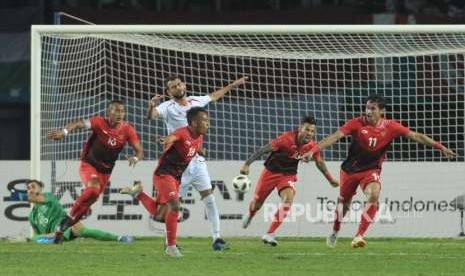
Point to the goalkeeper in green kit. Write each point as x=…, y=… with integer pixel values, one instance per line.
x=47, y=213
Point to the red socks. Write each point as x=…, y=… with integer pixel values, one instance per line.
x=279, y=216
x=171, y=222
x=339, y=214
x=82, y=205
x=368, y=215
x=251, y=211
x=338, y=217
x=148, y=202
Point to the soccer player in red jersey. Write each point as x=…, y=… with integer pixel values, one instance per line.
x=371, y=135
x=180, y=147
x=108, y=138
x=280, y=172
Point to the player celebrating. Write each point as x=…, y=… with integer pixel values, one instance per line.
x=181, y=147
x=109, y=136
x=280, y=172
x=47, y=213
x=371, y=136
x=173, y=113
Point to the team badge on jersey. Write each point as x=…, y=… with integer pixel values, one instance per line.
x=112, y=141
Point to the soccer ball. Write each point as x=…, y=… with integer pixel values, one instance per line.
x=241, y=183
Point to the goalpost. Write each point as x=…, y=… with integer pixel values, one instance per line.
x=324, y=71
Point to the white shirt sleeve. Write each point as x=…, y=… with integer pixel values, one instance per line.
x=162, y=109
x=87, y=124
x=201, y=100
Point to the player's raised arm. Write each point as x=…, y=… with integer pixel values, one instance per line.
x=152, y=112
x=218, y=94
x=245, y=168
x=321, y=165
x=425, y=140
x=58, y=134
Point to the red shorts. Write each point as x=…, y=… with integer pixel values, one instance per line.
x=350, y=182
x=167, y=188
x=87, y=171
x=269, y=181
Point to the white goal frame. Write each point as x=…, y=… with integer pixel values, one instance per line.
x=38, y=30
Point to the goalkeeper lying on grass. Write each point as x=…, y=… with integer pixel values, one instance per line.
x=47, y=213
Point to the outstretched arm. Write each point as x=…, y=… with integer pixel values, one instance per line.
x=245, y=168
x=168, y=140
x=425, y=140
x=326, y=142
x=321, y=165
x=331, y=139
x=58, y=134
x=152, y=112
x=218, y=94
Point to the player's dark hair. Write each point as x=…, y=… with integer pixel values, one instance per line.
x=192, y=114
x=377, y=99
x=309, y=120
x=40, y=183
x=115, y=102
x=170, y=78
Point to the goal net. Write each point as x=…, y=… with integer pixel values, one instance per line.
x=293, y=71
x=327, y=75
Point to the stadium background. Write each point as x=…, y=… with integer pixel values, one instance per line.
x=17, y=16
x=405, y=197
x=14, y=72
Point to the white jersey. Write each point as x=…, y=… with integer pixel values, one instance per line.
x=174, y=114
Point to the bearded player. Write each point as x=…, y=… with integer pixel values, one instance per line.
x=280, y=173
x=173, y=113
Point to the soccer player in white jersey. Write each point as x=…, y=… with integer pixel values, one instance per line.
x=173, y=113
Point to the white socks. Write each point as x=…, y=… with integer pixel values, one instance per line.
x=212, y=215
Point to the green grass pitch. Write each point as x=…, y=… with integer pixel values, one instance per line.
x=246, y=257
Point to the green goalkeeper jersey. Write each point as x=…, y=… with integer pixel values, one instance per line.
x=45, y=217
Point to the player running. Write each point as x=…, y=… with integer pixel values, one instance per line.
x=108, y=138
x=371, y=136
x=47, y=213
x=182, y=146
x=280, y=173
x=173, y=113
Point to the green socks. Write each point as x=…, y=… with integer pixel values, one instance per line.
x=97, y=234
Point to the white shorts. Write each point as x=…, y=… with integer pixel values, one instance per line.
x=196, y=174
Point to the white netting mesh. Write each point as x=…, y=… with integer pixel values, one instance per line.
x=325, y=75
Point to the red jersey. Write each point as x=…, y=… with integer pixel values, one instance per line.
x=104, y=145
x=177, y=156
x=369, y=143
x=286, y=153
